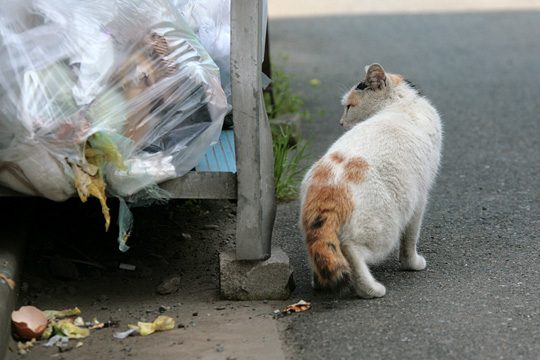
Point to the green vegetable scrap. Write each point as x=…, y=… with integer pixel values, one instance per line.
x=102, y=149
x=108, y=110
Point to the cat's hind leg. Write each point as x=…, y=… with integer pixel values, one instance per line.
x=408, y=256
x=364, y=283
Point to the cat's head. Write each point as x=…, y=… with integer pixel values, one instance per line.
x=369, y=96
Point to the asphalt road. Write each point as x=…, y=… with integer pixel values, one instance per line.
x=480, y=295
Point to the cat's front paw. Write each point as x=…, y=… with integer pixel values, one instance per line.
x=416, y=263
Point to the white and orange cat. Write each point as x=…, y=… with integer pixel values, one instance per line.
x=368, y=193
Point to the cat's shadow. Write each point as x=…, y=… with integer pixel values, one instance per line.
x=384, y=272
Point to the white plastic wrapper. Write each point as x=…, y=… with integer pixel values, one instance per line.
x=102, y=96
x=211, y=22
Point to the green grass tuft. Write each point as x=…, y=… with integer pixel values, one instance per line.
x=289, y=152
x=288, y=168
x=286, y=101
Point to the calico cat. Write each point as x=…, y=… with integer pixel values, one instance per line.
x=369, y=191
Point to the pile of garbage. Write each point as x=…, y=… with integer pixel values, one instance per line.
x=57, y=328
x=104, y=98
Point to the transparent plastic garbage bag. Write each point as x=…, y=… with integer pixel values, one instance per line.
x=102, y=98
x=210, y=20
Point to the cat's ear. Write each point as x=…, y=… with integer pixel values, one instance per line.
x=375, y=77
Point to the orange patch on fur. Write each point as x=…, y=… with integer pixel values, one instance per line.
x=326, y=208
x=395, y=78
x=355, y=169
x=337, y=157
x=321, y=173
x=326, y=200
x=353, y=99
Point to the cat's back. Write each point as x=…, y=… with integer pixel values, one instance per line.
x=396, y=148
x=394, y=133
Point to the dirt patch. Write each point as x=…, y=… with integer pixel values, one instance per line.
x=71, y=262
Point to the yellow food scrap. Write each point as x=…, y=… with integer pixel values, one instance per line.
x=70, y=330
x=24, y=347
x=59, y=314
x=162, y=323
x=99, y=150
x=82, y=181
x=48, y=331
x=88, y=185
x=97, y=189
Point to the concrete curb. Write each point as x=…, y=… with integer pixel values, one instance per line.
x=269, y=279
x=11, y=249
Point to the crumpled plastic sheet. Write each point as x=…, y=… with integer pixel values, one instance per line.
x=161, y=323
x=103, y=98
x=211, y=22
x=57, y=340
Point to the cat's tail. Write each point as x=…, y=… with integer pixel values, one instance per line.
x=325, y=210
